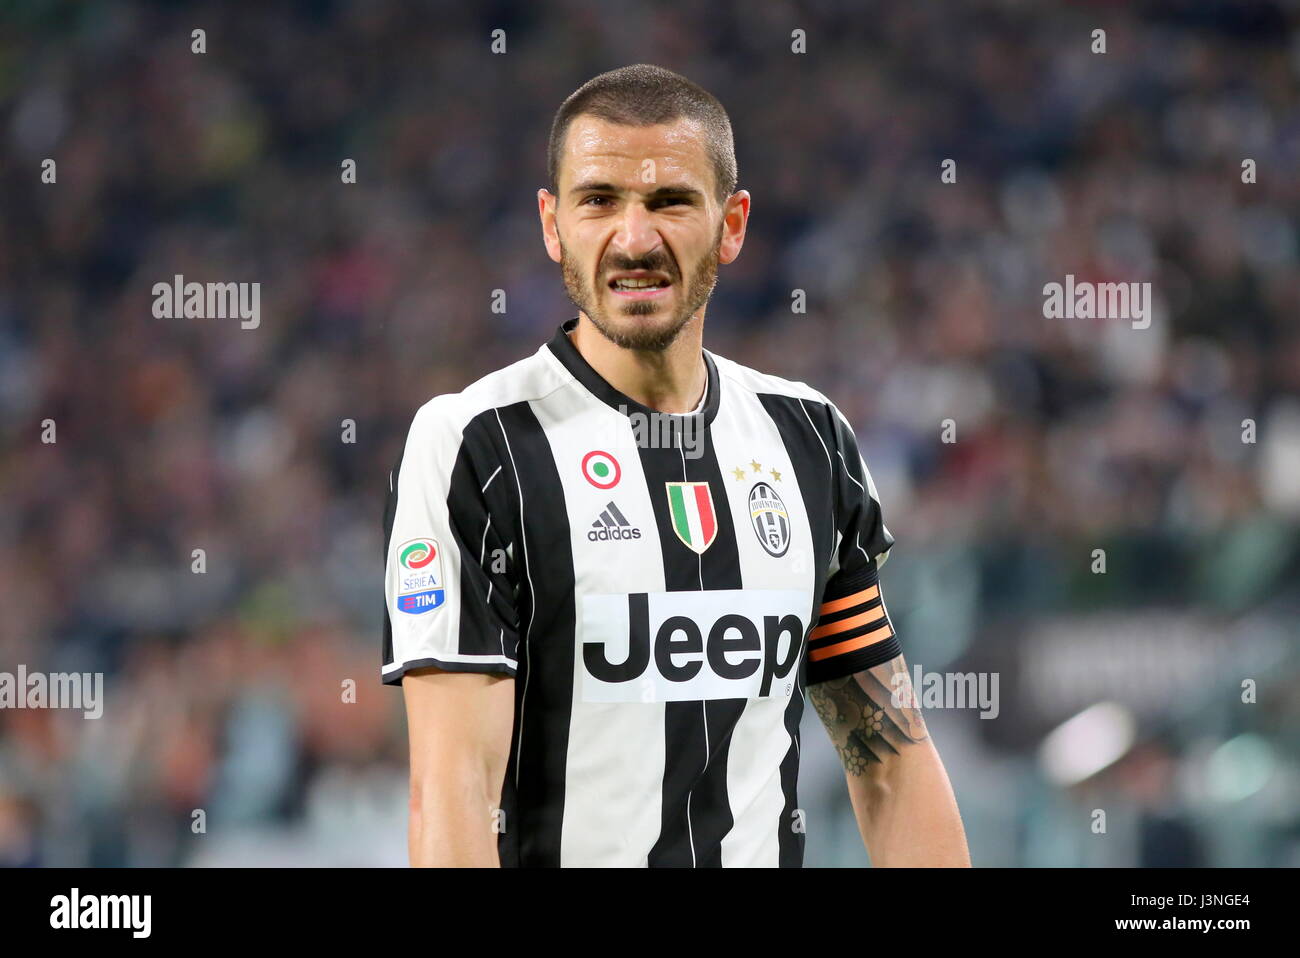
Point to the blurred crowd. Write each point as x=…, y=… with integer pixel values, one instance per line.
x=1173, y=449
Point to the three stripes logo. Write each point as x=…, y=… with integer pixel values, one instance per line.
x=612, y=524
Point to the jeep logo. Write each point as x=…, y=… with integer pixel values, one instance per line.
x=688, y=646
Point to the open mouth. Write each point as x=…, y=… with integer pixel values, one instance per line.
x=640, y=287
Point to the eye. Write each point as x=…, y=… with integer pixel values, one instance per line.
x=590, y=198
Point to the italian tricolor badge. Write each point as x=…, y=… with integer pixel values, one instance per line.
x=691, y=506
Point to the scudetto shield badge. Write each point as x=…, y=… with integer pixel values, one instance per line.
x=770, y=520
x=691, y=506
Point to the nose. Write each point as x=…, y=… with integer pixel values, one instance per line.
x=637, y=235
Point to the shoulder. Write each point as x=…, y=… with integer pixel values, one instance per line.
x=445, y=416
x=832, y=429
x=822, y=413
x=755, y=381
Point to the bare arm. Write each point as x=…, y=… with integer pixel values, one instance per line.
x=901, y=795
x=460, y=726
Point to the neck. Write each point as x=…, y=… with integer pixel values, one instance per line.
x=672, y=380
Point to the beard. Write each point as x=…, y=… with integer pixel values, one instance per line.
x=643, y=334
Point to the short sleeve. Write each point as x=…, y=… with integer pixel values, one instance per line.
x=449, y=578
x=853, y=630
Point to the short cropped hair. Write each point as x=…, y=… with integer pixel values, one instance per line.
x=647, y=95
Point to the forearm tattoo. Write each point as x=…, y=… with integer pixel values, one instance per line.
x=860, y=713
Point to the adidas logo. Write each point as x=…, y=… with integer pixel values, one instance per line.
x=612, y=524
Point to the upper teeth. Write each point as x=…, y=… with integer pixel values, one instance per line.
x=630, y=283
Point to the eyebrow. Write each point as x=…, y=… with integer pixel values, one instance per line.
x=593, y=186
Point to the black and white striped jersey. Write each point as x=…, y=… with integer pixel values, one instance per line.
x=661, y=587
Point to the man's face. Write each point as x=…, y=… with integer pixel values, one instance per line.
x=636, y=206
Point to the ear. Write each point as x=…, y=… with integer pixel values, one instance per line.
x=735, y=216
x=546, y=211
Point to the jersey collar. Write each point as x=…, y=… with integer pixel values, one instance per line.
x=567, y=353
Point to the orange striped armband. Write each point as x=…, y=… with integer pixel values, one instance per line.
x=866, y=625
